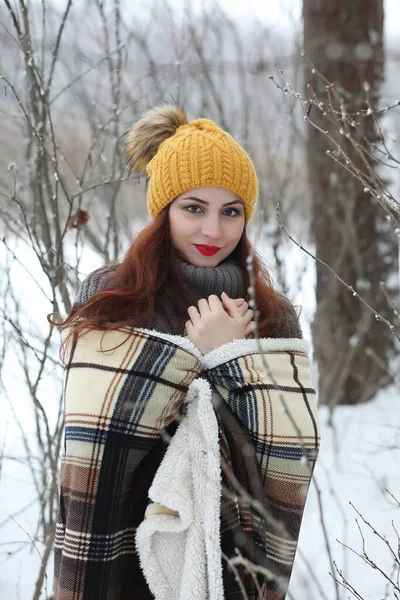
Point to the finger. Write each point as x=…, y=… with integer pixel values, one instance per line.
x=193, y=314
x=250, y=329
x=215, y=303
x=233, y=310
x=190, y=331
x=243, y=309
x=238, y=301
x=248, y=316
x=204, y=307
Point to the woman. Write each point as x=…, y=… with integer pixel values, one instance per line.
x=176, y=309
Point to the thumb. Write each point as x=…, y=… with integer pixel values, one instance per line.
x=231, y=306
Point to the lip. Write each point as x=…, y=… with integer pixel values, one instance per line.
x=207, y=250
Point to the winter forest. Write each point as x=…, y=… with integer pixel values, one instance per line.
x=311, y=89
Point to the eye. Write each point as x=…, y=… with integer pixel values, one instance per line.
x=192, y=206
x=236, y=212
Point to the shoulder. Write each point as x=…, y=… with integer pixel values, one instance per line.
x=94, y=282
x=290, y=319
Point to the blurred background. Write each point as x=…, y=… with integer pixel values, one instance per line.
x=311, y=89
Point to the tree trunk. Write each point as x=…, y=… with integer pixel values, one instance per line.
x=344, y=41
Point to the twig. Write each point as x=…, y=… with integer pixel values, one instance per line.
x=378, y=317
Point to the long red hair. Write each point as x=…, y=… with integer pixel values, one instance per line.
x=150, y=275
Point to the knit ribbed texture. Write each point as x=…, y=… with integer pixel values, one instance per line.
x=200, y=154
x=226, y=277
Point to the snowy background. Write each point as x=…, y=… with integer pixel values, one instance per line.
x=359, y=461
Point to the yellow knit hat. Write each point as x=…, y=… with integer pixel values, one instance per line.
x=179, y=156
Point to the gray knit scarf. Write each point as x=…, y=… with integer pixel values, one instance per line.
x=226, y=277
x=204, y=281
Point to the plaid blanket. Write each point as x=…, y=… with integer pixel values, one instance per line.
x=119, y=403
x=269, y=443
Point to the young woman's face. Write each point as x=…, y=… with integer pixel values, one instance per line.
x=206, y=216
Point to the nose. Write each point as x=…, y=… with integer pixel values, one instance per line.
x=212, y=228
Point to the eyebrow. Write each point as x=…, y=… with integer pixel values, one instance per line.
x=237, y=201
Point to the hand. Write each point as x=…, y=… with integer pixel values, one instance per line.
x=215, y=323
x=240, y=303
x=242, y=306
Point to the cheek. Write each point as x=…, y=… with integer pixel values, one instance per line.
x=236, y=232
x=180, y=230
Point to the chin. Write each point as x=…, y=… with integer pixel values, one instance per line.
x=206, y=261
x=198, y=260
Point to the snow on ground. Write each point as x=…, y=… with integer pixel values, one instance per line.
x=367, y=460
x=359, y=458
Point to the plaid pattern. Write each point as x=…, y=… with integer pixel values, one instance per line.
x=117, y=404
x=269, y=440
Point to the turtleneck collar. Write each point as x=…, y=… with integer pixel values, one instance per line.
x=226, y=277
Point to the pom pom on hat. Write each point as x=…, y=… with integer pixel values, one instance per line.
x=146, y=135
x=179, y=156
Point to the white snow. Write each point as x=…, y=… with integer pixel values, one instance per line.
x=359, y=457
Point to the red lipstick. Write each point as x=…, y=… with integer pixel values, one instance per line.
x=207, y=250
